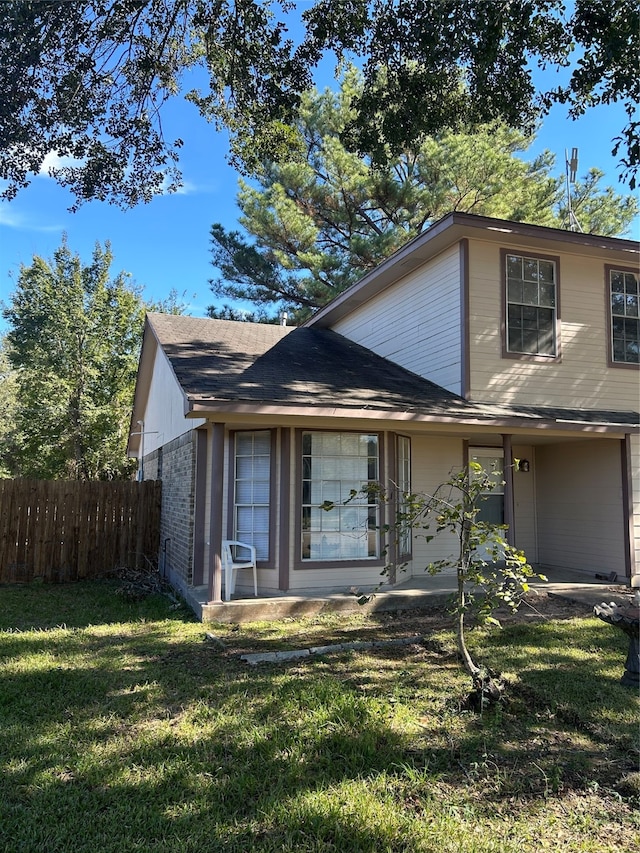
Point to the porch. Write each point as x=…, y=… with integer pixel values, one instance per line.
x=415, y=593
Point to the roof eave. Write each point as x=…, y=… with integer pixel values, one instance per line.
x=202, y=408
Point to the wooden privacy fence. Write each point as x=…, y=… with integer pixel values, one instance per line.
x=64, y=530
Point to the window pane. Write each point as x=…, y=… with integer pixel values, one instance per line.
x=548, y=295
x=618, y=303
x=530, y=269
x=630, y=283
x=514, y=291
x=514, y=266
x=530, y=293
x=244, y=492
x=261, y=492
x=617, y=282
x=547, y=271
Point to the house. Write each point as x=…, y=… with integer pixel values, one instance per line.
x=513, y=344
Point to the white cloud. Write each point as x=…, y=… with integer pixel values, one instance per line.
x=186, y=188
x=55, y=161
x=12, y=218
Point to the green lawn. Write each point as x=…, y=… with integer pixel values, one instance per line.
x=122, y=728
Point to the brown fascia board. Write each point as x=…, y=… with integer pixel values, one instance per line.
x=217, y=410
x=444, y=233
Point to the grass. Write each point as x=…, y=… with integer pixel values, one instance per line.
x=122, y=728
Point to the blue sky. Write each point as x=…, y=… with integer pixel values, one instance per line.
x=165, y=244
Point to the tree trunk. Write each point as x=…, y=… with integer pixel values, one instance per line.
x=467, y=660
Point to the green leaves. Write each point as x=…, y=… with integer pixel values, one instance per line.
x=73, y=341
x=90, y=80
x=314, y=224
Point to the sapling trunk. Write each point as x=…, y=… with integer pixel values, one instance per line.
x=463, y=562
x=467, y=660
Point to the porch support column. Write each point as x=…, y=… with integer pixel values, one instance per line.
x=215, y=517
x=199, y=508
x=509, y=514
x=627, y=508
x=391, y=480
x=284, y=527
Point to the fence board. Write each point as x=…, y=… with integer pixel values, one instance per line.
x=64, y=530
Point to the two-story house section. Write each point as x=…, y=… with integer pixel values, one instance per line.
x=514, y=345
x=536, y=319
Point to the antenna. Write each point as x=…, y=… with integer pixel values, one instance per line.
x=571, y=169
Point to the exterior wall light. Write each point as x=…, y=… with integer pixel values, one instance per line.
x=523, y=465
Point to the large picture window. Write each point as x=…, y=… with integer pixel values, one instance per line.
x=531, y=300
x=252, y=482
x=625, y=316
x=333, y=466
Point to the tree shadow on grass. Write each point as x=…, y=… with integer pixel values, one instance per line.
x=145, y=741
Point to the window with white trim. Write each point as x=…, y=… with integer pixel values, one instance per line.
x=334, y=466
x=531, y=299
x=252, y=486
x=625, y=316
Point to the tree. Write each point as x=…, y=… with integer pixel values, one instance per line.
x=322, y=223
x=90, y=80
x=9, y=437
x=73, y=343
x=490, y=572
x=228, y=312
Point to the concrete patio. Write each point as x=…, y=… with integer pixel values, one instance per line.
x=415, y=593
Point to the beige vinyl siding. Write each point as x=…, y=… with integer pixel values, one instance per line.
x=581, y=378
x=524, y=499
x=579, y=502
x=416, y=323
x=635, y=497
x=433, y=460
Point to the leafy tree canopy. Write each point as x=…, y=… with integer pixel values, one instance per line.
x=88, y=79
x=73, y=343
x=321, y=223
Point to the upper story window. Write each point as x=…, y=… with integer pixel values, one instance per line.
x=531, y=305
x=624, y=302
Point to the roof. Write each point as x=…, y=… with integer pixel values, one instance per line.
x=455, y=227
x=233, y=366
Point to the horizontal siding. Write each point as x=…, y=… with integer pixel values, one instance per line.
x=164, y=418
x=582, y=378
x=580, y=510
x=433, y=460
x=635, y=502
x=524, y=499
x=417, y=322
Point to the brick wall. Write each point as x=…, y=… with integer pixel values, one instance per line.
x=174, y=464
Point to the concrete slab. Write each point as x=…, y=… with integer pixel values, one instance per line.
x=416, y=593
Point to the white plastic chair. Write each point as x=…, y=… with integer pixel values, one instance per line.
x=230, y=566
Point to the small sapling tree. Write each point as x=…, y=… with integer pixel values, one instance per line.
x=490, y=572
